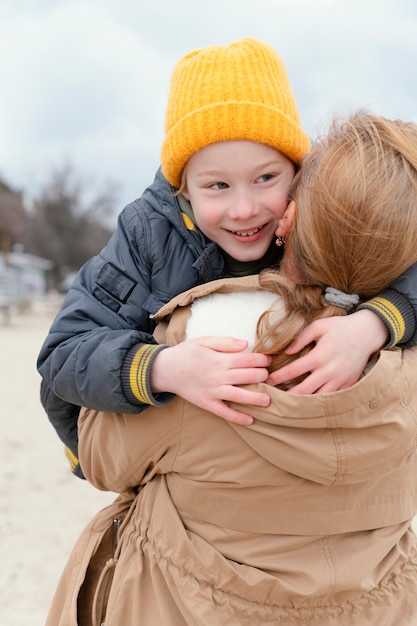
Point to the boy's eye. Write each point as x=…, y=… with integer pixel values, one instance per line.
x=264, y=178
x=219, y=186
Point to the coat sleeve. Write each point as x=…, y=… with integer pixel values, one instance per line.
x=119, y=451
x=397, y=307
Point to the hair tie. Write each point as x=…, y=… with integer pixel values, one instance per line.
x=339, y=298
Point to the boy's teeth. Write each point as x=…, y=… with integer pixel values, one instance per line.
x=248, y=232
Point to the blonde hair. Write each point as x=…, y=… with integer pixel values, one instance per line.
x=356, y=223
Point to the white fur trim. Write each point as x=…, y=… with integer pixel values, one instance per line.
x=230, y=314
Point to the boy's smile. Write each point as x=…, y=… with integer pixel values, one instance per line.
x=238, y=191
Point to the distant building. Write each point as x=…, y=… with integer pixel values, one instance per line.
x=23, y=277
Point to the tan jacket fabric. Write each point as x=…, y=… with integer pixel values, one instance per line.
x=303, y=518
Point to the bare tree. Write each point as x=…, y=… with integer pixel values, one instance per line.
x=12, y=217
x=67, y=223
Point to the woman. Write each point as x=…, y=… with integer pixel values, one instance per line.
x=304, y=517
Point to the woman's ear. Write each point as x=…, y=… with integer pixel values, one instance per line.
x=287, y=220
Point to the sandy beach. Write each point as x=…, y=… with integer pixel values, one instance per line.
x=43, y=506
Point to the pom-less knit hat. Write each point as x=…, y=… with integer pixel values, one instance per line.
x=226, y=93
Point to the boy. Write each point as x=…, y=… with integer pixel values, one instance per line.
x=233, y=143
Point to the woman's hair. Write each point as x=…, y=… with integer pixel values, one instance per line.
x=356, y=223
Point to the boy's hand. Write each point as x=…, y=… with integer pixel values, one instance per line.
x=343, y=347
x=208, y=371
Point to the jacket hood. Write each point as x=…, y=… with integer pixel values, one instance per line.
x=340, y=437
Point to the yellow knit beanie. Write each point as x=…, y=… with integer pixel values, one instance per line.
x=226, y=93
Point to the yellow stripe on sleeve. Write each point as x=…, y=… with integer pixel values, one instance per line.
x=73, y=461
x=391, y=314
x=138, y=371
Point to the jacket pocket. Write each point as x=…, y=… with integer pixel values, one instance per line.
x=95, y=587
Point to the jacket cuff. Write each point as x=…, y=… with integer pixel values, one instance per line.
x=397, y=313
x=136, y=376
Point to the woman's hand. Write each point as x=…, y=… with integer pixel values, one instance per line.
x=208, y=371
x=342, y=350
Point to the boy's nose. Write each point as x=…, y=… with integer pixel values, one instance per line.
x=244, y=207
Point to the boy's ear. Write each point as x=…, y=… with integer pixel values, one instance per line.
x=287, y=220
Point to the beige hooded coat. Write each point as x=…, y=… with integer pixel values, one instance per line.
x=303, y=518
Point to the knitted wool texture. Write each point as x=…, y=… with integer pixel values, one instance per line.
x=225, y=93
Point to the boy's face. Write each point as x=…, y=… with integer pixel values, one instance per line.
x=238, y=191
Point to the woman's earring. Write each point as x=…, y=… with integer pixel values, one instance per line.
x=279, y=241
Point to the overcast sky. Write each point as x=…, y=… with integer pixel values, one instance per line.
x=86, y=81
